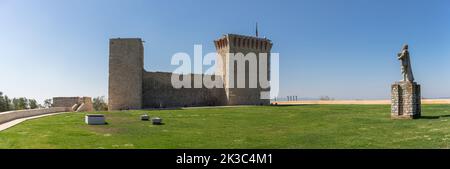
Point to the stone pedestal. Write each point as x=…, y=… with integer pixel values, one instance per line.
x=405, y=100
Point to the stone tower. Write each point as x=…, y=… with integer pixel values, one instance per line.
x=232, y=43
x=126, y=62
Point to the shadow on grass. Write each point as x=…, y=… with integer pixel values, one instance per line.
x=104, y=124
x=293, y=105
x=169, y=108
x=434, y=117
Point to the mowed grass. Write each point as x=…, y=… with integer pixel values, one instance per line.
x=292, y=127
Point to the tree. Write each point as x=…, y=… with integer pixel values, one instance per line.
x=32, y=104
x=20, y=103
x=48, y=103
x=5, y=103
x=100, y=104
x=8, y=103
x=2, y=103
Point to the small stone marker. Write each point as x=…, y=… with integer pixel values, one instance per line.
x=145, y=117
x=95, y=119
x=156, y=121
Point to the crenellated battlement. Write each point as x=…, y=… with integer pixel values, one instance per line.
x=235, y=44
x=242, y=41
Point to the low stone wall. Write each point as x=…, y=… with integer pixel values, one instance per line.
x=13, y=115
x=74, y=102
x=65, y=101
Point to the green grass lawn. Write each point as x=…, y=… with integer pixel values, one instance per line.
x=306, y=126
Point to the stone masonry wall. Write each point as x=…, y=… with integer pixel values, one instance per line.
x=17, y=114
x=159, y=93
x=406, y=100
x=126, y=66
x=71, y=101
x=232, y=43
x=65, y=101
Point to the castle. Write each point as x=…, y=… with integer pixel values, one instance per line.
x=131, y=87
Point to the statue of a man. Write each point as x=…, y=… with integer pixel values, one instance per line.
x=406, y=64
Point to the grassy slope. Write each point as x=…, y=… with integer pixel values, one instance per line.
x=308, y=126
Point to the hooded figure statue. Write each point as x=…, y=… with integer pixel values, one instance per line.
x=403, y=56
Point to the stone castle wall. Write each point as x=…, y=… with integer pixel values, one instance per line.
x=74, y=103
x=159, y=93
x=65, y=101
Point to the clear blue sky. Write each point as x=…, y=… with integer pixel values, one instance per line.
x=344, y=49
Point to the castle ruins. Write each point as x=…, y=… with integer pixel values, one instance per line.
x=132, y=87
